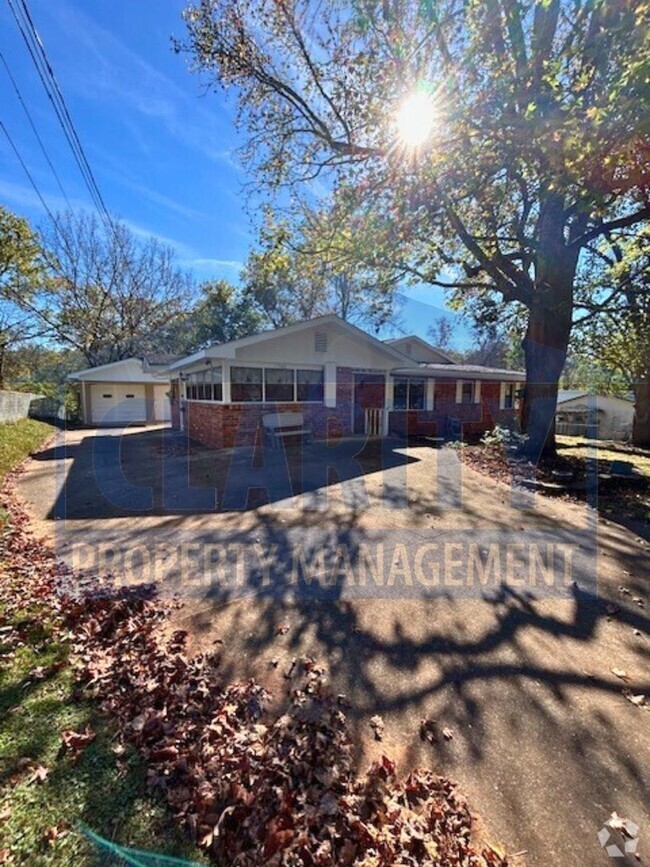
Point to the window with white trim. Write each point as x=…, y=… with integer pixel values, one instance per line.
x=408, y=392
x=246, y=384
x=467, y=392
x=309, y=386
x=509, y=394
x=205, y=384
x=276, y=385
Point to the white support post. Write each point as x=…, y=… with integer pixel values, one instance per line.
x=430, y=400
x=226, y=391
x=388, y=404
x=330, y=385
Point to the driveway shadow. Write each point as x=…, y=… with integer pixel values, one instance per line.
x=161, y=472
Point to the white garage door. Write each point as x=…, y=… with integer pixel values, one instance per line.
x=118, y=403
x=161, y=406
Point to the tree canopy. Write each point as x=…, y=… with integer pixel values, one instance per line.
x=488, y=143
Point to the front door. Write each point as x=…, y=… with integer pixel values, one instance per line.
x=369, y=393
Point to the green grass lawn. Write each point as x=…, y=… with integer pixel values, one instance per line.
x=20, y=438
x=101, y=790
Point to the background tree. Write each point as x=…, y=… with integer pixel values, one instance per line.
x=21, y=258
x=321, y=262
x=493, y=141
x=615, y=336
x=106, y=294
x=440, y=333
x=219, y=314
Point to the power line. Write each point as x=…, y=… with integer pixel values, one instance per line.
x=28, y=173
x=45, y=72
x=33, y=126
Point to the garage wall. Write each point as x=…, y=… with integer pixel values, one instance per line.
x=126, y=402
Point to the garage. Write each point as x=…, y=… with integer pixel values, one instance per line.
x=162, y=407
x=118, y=403
x=129, y=391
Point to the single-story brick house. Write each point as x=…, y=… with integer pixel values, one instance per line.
x=344, y=381
x=130, y=391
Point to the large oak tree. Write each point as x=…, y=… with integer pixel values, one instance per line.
x=538, y=145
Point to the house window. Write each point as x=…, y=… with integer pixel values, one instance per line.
x=309, y=385
x=416, y=393
x=509, y=395
x=467, y=393
x=205, y=384
x=408, y=393
x=246, y=384
x=278, y=385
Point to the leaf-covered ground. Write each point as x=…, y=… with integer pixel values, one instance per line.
x=622, y=497
x=45, y=790
x=248, y=786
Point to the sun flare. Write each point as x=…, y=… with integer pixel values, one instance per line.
x=415, y=119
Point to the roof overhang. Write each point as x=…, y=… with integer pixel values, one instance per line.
x=111, y=373
x=459, y=371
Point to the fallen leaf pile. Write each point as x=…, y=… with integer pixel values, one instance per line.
x=252, y=787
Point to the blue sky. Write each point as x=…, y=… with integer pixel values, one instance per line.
x=163, y=150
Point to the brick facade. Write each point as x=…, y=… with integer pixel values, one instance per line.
x=475, y=418
x=227, y=425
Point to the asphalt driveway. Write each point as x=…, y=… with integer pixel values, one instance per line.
x=515, y=623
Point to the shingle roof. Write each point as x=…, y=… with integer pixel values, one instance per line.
x=564, y=395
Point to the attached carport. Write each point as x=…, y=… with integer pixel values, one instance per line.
x=130, y=391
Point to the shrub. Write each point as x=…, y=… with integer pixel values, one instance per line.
x=503, y=436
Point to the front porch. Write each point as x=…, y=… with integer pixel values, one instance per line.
x=356, y=403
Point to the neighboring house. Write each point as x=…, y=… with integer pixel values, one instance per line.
x=345, y=382
x=129, y=391
x=595, y=415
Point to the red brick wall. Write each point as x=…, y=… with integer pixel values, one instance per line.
x=475, y=418
x=227, y=425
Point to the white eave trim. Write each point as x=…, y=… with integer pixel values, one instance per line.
x=457, y=371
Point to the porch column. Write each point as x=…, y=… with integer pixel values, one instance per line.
x=388, y=403
x=330, y=385
x=430, y=399
x=84, y=403
x=225, y=382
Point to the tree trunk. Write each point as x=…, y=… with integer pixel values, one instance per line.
x=641, y=425
x=549, y=328
x=545, y=348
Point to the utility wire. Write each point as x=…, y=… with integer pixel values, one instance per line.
x=27, y=172
x=45, y=72
x=33, y=126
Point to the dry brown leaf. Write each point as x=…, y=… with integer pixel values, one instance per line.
x=377, y=725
